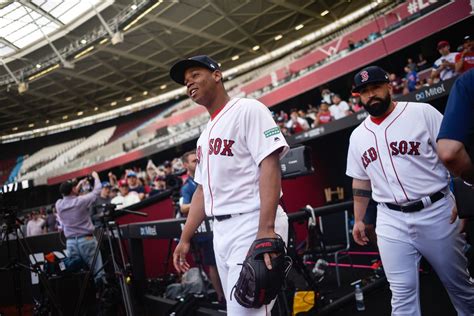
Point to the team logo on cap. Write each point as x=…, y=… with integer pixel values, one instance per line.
x=364, y=75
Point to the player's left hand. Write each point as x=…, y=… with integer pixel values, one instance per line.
x=267, y=257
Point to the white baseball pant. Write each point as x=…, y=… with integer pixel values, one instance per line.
x=232, y=240
x=404, y=237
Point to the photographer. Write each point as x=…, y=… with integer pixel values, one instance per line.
x=96, y=209
x=73, y=212
x=203, y=243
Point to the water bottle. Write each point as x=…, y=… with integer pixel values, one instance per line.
x=359, y=296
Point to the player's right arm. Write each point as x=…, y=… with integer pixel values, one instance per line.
x=195, y=217
x=361, y=190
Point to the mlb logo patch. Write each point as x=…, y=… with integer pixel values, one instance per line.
x=364, y=75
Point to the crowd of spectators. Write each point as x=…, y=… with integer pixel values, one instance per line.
x=332, y=107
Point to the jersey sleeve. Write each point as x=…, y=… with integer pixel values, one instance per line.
x=354, y=168
x=433, y=120
x=261, y=133
x=458, y=121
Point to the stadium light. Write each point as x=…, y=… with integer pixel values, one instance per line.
x=278, y=37
x=299, y=27
x=142, y=15
x=256, y=47
x=325, y=12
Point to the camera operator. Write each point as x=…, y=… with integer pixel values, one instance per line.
x=97, y=209
x=204, y=243
x=73, y=212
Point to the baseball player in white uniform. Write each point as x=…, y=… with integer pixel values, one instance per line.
x=392, y=157
x=238, y=175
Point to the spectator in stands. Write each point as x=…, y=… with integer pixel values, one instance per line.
x=134, y=185
x=114, y=191
x=326, y=95
x=151, y=169
x=396, y=83
x=145, y=183
x=304, y=115
x=339, y=108
x=204, y=243
x=113, y=179
x=51, y=221
x=126, y=197
x=421, y=63
x=159, y=185
x=296, y=124
x=411, y=64
x=324, y=115
x=465, y=59
x=167, y=168
x=187, y=190
x=97, y=208
x=443, y=67
x=410, y=79
x=73, y=212
x=282, y=125
x=35, y=225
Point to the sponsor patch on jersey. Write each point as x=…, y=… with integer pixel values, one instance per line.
x=272, y=131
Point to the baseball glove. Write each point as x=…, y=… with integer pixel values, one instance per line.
x=257, y=285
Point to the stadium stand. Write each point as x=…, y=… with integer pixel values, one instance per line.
x=6, y=167
x=80, y=148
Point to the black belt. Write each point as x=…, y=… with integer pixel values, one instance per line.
x=416, y=206
x=221, y=218
x=82, y=236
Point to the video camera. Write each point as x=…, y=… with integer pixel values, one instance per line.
x=10, y=194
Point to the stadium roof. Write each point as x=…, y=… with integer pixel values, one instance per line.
x=82, y=73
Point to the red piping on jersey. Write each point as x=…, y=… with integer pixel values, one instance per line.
x=208, y=135
x=216, y=112
x=388, y=148
x=380, y=158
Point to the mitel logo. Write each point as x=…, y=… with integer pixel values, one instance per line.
x=148, y=231
x=430, y=92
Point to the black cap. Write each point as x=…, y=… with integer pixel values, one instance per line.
x=368, y=75
x=178, y=69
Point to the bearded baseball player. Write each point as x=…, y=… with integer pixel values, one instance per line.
x=392, y=157
x=239, y=183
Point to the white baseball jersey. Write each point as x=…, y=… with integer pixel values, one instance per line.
x=399, y=155
x=339, y=110
x=446, y=73
x=229, y=153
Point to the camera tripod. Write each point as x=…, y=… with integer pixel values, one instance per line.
x=12, y=226
x=109, y=230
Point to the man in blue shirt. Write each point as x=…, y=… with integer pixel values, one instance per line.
x=204, y=243
x=456, y=135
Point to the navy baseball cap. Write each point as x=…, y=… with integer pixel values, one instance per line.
x=131, y=174
x=106, y=184
x=178, y=69
x=369, y=75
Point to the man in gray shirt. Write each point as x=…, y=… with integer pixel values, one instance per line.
x=97, y=208
x=73, y=212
